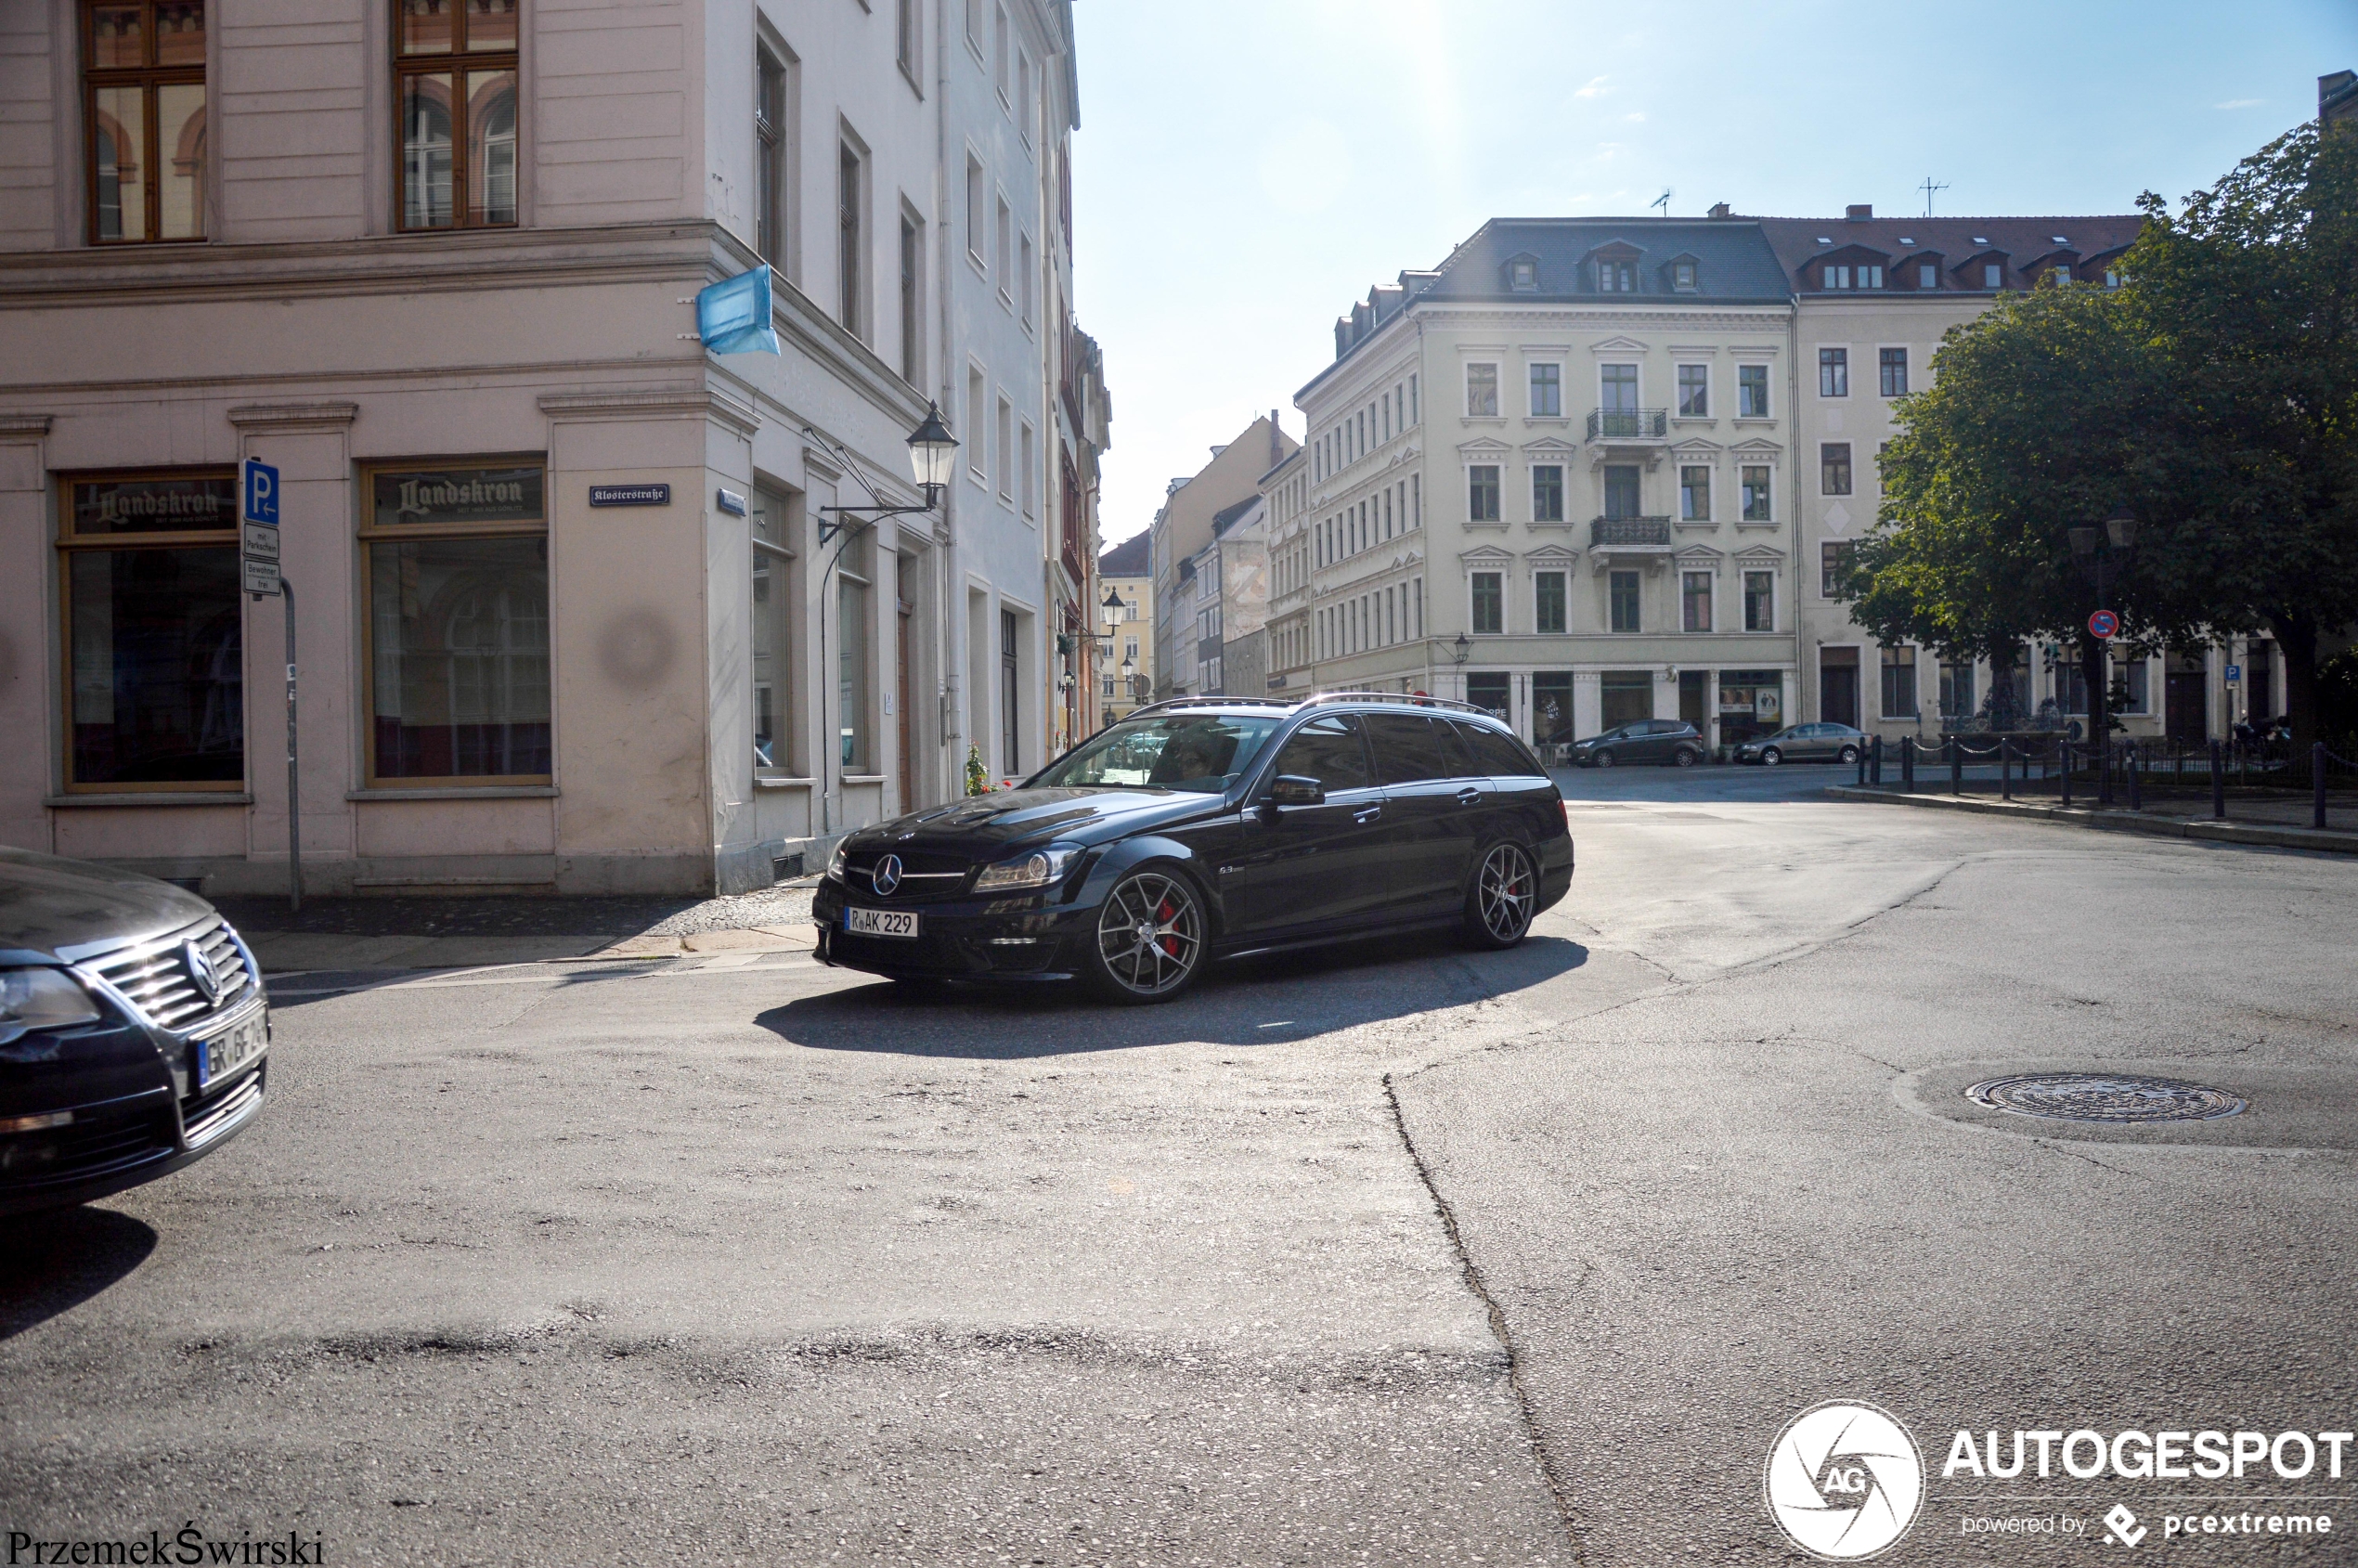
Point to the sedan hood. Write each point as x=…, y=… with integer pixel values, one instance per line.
x=986, y=825
x=47, y=904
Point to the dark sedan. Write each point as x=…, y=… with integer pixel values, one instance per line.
x=1648, y=740
x=1209, y=828
x=134, y=1033
x=1805, y=743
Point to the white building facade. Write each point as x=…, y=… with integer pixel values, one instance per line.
x=1551, y=477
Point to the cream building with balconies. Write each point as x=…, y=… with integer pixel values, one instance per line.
x=1551, y=477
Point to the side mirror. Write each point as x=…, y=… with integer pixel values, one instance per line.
x=1292, y=789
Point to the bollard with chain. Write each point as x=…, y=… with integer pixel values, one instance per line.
x=2218, y=781
x=2064, y=747
x=2006, y=767
x=2136, y=795
x=1862, y=766
x=1956, y=765
x=1875, y=748
x=1908, y=763
x=2317, y=786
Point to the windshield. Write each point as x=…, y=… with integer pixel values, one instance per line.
x=1199, y=752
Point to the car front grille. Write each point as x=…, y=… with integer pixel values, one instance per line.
x=154, y=977
x=922, y=876
x=206, y=1116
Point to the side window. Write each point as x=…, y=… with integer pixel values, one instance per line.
x=1406, y=749
x=1328, y=749
x=1497, y=753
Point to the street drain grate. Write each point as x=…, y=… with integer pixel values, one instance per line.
x=2105, y=1096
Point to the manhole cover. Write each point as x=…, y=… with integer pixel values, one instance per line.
x=2104, y=1097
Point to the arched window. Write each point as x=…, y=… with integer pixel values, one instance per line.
x=455, y=70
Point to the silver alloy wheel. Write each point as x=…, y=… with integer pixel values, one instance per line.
x=1150, y=933
x=1604, y=759
x=1772, y=756
x=1850, y=755
x=1506, y=893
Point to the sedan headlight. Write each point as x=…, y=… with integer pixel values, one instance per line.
x=1034, y=870
x=835, y=861
x=31, y=999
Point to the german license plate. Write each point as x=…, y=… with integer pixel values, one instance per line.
x=222, y=1055
x=880, y=922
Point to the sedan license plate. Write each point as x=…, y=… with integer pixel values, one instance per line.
x=880, y=922
x=218, y=1058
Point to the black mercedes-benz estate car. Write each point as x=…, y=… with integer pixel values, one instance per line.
x=133, y=1032
x=1206, y=828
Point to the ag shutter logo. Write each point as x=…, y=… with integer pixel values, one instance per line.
x=1844, y=1480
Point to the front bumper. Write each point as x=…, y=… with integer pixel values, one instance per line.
x=1014, y=938
x=116, y=1104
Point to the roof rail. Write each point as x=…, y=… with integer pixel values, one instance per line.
x=1411, y=698
x=1169, y=702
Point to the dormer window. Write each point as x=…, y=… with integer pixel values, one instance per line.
x=1522, y=274
x=1835, y=276
x=1616, y=277
x=1842, y=276
x=1993, y=275
x=2060, y=272
x=1682, y=277
x=1928, y=275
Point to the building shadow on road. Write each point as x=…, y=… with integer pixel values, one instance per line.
x=1253, y=1002
x=51, y=1262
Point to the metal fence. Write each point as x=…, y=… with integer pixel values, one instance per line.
x=2309, y=786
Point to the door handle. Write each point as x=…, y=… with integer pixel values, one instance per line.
x=1468, y=796
x=1367, y=814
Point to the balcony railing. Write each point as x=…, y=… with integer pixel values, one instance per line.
x=1629, y=424
x=1629, y=533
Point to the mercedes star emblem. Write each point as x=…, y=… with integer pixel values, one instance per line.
x=887, y=875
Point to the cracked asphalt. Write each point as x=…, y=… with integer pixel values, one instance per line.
x=1398, y=1253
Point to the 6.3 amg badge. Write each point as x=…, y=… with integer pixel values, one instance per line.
x=1844, y=1480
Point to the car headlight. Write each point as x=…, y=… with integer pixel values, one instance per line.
x=1034, y=870
x=835, y=861
x=31, y=999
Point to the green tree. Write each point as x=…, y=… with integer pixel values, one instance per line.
x=2249, y=299
x=2037, y=422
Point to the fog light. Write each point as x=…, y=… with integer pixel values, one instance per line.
x=36, y=1123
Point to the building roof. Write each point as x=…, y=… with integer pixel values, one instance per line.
x=1228, y=515
x=1130, y=558
x=1733, y=266
x=1953, y=240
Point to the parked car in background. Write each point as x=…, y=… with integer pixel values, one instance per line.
x=134, y=1031
x=1805, y=743
x=1648, y=740
x=1210, y=827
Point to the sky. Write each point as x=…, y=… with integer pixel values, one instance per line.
x=1246, y=169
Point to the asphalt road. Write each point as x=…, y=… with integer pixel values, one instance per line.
x=741, y=1259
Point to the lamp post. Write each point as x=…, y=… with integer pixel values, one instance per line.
x=932, y=449
x=2102, y=556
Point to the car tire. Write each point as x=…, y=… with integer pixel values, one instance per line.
x=1128, y=964
x=1603, y=759
x=1503, y=898
x=1849, y=755
x=1685, y=756
x=1772, y=756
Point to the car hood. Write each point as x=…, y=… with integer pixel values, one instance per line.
x=1006, y=821
x=49, y=905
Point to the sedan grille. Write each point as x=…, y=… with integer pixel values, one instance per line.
x=155, y=977
x=922, y=876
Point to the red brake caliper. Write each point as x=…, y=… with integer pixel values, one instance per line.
x=1168, y=943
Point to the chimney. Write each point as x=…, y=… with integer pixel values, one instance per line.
x=1858, y=212
x=1275, y=451
x=1718, y=210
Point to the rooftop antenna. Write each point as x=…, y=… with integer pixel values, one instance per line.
x=1662, y=201
x=1928, y=188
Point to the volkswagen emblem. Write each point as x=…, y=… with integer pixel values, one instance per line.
x=887, y=877
x=200, y=973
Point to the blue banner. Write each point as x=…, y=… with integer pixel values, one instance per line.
x=733, y=315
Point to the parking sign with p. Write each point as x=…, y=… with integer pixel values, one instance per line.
x=258, y=487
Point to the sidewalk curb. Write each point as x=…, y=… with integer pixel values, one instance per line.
x=281, y=954
x=2263, y=834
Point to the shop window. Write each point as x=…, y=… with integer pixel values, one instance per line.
x=153, y=645
x=1552, y=708
x=456, y=559
x=775, y=599
x=1491, y=691
x=455, y=89
x=144, y=121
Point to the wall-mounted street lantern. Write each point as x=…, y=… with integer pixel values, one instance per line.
x=932, y=449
